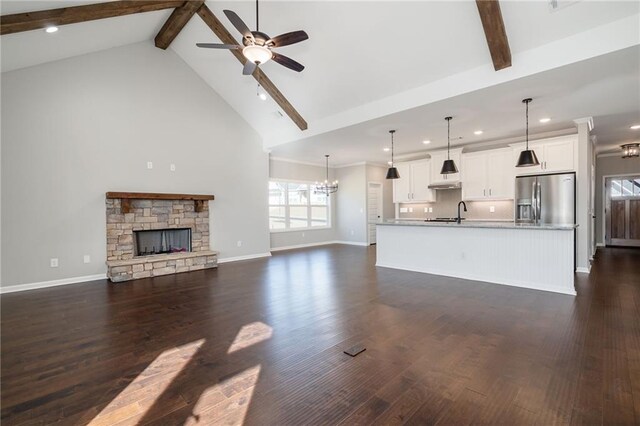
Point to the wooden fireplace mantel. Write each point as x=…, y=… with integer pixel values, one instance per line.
x=126, y=197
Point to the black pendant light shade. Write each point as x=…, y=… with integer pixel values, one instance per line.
x=392, y=173
x=449, y=166
x=527, y=157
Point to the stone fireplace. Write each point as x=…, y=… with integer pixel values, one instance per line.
x=157, y=234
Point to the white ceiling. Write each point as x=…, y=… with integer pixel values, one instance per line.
x=606, y=88
x=361, y=53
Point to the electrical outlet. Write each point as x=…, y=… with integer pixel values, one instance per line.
x=86, y=258
x=239, y=243
x=303, y=235
x=430, y=209
x=426, y=209
x=149, y=165
x=53, y=262
x=492, y=209
x=172, y=167
x=352, y=232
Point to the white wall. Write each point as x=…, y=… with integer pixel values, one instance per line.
x=352, y=204
x=287, y=170
x=610, y=166
x=77, y=128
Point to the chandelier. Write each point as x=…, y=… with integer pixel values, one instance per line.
x=631, y=150
x=325, y=187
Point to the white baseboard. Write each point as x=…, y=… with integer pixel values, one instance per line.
x=600, y=245
x=322, y=243
x=297, y=246
x=583, y=270
x=352, y=243
x=247, y=257
x=52, y=283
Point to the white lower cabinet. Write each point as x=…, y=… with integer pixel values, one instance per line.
x=487, y=175
x=412, y=186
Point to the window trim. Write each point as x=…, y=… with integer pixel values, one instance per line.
x=287, y=206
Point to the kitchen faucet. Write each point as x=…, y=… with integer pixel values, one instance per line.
x=465, y=209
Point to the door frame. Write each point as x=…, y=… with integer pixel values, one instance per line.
x=606, y=201
x=380, y=206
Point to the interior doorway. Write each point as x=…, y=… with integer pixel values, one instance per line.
x=622, y=211
x=374, y=209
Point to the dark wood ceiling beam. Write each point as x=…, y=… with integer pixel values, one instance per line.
x=28, y=21
x=225, y=37
x=495, y=32
x=176, y=22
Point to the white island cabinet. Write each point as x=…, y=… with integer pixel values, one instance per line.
x=539, y=257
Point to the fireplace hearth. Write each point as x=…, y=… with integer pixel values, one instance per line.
x=152, y=234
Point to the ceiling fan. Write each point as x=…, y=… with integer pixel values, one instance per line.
x=258, y=47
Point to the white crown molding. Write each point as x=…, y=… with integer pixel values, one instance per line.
x=52, y=283
x=583, y=120
x=304, y=163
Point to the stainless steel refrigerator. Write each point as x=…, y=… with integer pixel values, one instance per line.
x=546, y=199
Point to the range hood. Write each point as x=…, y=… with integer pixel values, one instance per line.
x=445, y=185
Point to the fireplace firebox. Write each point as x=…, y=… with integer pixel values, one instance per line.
x=162, y=241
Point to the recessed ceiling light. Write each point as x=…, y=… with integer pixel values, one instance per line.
x=545, y=120
x=262, y=96
x=51, y=29
x=635, y=127
x=385, y=149
x=426, y=142
x=478, y=132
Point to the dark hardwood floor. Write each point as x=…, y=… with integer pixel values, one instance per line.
x=260, y=342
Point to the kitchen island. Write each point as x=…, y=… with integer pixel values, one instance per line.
x=539, y=257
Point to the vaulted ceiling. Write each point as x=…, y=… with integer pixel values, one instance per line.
x=364, y=60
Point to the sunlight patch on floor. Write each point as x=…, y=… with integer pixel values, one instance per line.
x=250, y=334
x=227, y=402
x=139, y=396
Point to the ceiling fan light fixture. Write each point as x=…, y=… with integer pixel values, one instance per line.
x=257, y=54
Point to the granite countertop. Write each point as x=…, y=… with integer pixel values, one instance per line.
x=477, y=224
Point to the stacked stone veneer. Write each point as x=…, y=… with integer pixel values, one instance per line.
x=122, y=265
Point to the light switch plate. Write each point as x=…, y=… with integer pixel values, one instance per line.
x=149, y=165
x=86, y=258
x=172, y=167
x=54, y=262
x=492, y=209
x=403, y=210
x=410, y=209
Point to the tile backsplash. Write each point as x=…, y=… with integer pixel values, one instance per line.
x=446, y=205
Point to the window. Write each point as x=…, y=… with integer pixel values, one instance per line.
x=293, y=206
x=625, y=188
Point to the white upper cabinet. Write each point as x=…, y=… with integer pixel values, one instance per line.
x=555, y=155
x=412, y=186
x=437, y=158
x=488, y=175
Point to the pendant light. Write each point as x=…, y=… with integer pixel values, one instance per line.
x=325, y=187
x=392, y=173
x=527, y=157
x=449, y=166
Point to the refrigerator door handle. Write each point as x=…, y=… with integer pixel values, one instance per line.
x=539, y=199
x=534, y=202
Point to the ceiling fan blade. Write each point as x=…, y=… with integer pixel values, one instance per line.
x=239, y=24
x=287, y=62
x=288, y=38
x=218, y=46
x=249, y=68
